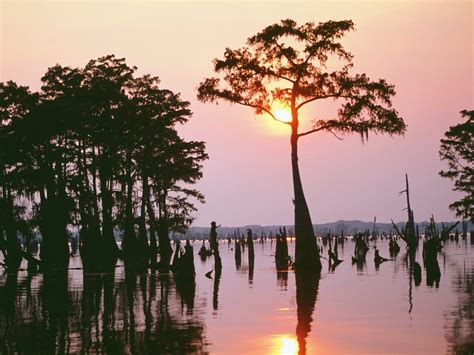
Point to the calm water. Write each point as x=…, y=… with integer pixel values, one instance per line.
x=249, y=310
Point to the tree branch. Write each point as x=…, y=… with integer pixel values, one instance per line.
x=281, y=77
x=334, y=134
x=403, y=236
x=283, y=52
x=320, y=129
x=314, y=99
x=312, y=131
x=264, y=110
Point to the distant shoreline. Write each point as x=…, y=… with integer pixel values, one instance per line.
x=345, y=226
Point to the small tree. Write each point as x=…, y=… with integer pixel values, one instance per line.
x=457, y=149
x=288, y=63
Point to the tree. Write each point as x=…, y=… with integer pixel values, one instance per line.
x=95, y=149
x=15, y=102
x=288, y=63
x=162, y=161
x=457, y=149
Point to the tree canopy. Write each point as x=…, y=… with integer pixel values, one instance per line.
x=457, y=149
x=290, y=63
x=97, y=150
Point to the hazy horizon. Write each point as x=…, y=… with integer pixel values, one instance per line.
x=424, y=48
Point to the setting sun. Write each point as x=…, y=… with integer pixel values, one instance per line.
x=282, y=112
x=288, y=346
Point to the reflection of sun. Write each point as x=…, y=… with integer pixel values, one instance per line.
x=288, y=346
x=281, y=112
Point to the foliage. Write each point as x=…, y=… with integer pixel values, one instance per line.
x=457, y=149
x=290, y=63
x=81, y=151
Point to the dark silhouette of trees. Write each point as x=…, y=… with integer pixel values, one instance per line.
x=457, y=149
x=110, y=314
x=96, y=151
x=15, y=102
x=289, y=63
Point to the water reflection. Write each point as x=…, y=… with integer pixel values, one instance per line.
x=460, y=319
x=215, y=291
x=307, y=284
x=253, y=309
x=282, y=279
x=136, y=314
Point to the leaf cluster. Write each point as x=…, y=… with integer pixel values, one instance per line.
x=457, y=150
x=93, y=132
x=290, y=63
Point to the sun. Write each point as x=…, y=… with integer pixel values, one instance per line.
x=283, y=115
x=281, y=112
x=288, y=346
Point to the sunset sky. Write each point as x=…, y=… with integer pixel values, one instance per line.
x=424, y=48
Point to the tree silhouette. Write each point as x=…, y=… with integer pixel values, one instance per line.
x=288, y=63
x=96, y=150
x=457, y=149
x=15, y=102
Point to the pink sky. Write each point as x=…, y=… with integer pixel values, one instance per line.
x=425, y=48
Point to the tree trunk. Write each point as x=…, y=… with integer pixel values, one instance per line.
x=107, y=222
x=142, y=233
x=54, y=248
x=410, y=228
x=129, y=245
x=152, y=223
x=306, y=250
x=163, y=232
x=13, y=248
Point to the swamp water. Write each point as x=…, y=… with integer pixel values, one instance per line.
x=251, y=309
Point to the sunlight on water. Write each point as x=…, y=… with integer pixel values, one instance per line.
x=251, y=309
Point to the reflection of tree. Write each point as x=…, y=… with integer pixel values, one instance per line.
x=251, y=268
x=7, y=308
x=238, y=256
x=56, y=303
x=29, y=320
x=460, y=321
x=282, y=279
x=138, y=314
x=433, y=273
x=307, y=284
x=186, y=287
x=215, y=291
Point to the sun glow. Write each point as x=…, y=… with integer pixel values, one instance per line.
x=281, y=112
x=287, y=346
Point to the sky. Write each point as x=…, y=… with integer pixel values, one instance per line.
x=424, y=48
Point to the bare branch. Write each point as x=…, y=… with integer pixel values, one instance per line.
x=312, y=131
x=403, y=236
x=262, y=109
x=334, y=134
x=281, y=77
x=327, y=128
x=336, y=95
x=310, y=100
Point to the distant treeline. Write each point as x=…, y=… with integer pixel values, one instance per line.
x=346, y=227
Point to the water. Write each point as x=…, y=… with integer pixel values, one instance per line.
x=250, y=310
